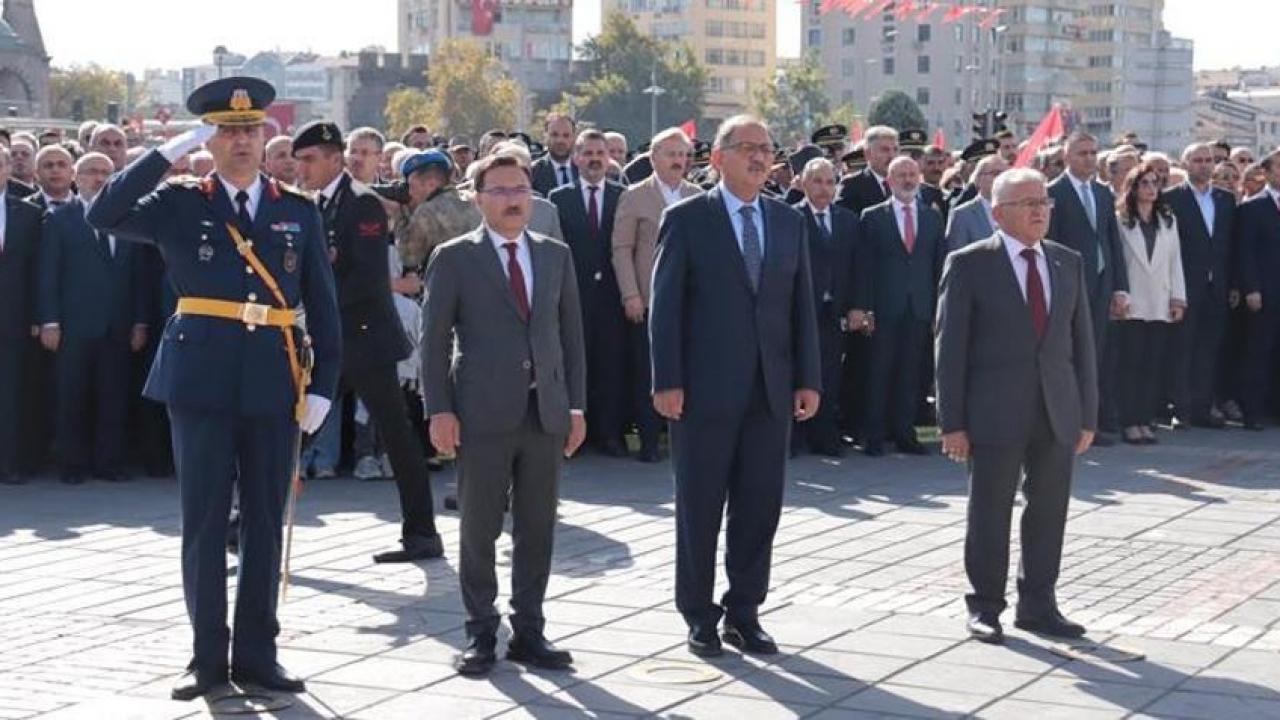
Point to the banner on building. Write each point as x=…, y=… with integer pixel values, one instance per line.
x=910, y=10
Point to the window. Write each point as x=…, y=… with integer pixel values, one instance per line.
x=1102, y=36
x=922, y=64
x=922, y=96
x=959, y=32
x=887, y=66
x=959, y=96
x=815, y=37
x=959, y=63
x=846, y=36
x=924, y=33
x=1100, y=61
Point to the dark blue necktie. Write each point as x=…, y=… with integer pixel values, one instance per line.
x=242, y=215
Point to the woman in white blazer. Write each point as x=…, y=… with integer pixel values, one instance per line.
x=1157, y=297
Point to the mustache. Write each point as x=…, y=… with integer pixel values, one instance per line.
x=512, y=211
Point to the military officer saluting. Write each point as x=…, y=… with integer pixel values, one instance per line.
x=246, y=255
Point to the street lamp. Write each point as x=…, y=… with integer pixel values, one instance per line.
x=653, y=91
x=219, y=57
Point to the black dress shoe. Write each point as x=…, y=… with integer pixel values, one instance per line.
x=1100, y=440
x=277, y=678
x=704, y=642
x=874, y=449
x=613, y=449
x=749, y=638
x=197, y=684
x=912, y=446
x=416, y=547
x=985, y=627
x=1254, y=425
x=533, y=649
x=1212, y=422
x=1054, y=625
x=479, y=657
x=831, y=451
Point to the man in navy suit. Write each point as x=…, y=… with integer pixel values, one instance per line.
x=90, y=312
x=1257, y=227
x=223, y=367
x=735, y=359
x=1084, y=220
x=1206, y=223
x=19, y=240
x=898, y=267
x=587, y=207
x=832, y=235
x=557, y=168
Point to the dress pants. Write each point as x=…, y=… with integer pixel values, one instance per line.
x=608, y=396
x=11, y=361
x=853, y=385
x=1142, y=345
x=1261, y=339
x=35, y=434
x=822, y=431
x=379, y=388
x=526, y=465
x=213, y=452
x=93, y=392
x=898, y=349
x=1043, y=466
x=639, y=379
x=1199, y=341
x=740, y=461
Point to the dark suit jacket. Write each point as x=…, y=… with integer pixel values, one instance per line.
x=593, y=261
x=710, y=335
x=991, y=369
x=1258, y=252
x=484, y=379
x=892, y=283
x=934, y=198
x=17, y=188
x=831, y=261
x=18, y=265
x=90, y=293
x=860, y=191
x=1206, y=252
x=544, y=175
x=1069, y=225
x=356, y=226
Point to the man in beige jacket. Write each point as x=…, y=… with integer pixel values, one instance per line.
x=635, y=243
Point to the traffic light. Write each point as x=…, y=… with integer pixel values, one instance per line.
x=982, y=124
x=77, y=110
x=998, y=122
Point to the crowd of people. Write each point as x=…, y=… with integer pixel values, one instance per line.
x=1178, y=252
x=202, y=305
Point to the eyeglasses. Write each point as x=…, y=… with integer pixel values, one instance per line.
x=750, y=148
x=506, y=193
x=1030, y=204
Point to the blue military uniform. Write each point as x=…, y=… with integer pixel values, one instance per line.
x=228, y=383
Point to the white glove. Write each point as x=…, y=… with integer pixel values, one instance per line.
x=187, y=141
x=315, y=413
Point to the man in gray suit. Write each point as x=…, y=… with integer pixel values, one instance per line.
x=508, y=398
x=973, y=221
x=1017, y=394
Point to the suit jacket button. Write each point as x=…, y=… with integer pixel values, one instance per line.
x=253, y=297
x=364, y=327
x=250, y=328
x=526, y=365
x=248, y=270
x=182, y=336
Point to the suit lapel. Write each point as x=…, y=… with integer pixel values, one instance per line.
x=1132, y=237
x=490, y=266
x=543, y=285
x=1014, y=288
x=720, y=217
x=1056, y=279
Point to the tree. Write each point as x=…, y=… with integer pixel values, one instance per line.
x=468, y=92
x=406, y=107
x=897, y=110
x=795, y=103
x=93, y=86
x=618, y=64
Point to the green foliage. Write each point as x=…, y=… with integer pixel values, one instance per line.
x=897, y=110
x=468, y=92
x=93, y=84
x=795, y=103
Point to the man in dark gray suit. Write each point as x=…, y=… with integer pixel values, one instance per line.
x=508, y=397
x=1017, y=394
x=735, y=359
x=972, y=221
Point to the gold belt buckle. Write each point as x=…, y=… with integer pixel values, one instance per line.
x=254, y=314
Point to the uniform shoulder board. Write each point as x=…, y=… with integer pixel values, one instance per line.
x=287, y=189
x=359, y=187
x=188, y=181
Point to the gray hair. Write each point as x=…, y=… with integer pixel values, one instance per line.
x=53, y=150
x=277, y=140
x=587, y=136
x=988, y=161
x=812, y=167
x=668, y=134
x=514, y=148
x=876, y=133
x=725, y=132
x=366, y=133
x=90, y=156
x=103, y=128
x=1194, y=148
x=612, y=135
x=901, y=160
x=1009, y=179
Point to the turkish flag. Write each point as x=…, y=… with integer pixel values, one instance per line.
x=940, y=139
x=483, y=14
x=1050, y=128
x=690, y=128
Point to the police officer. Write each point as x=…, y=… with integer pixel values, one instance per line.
x=245, y=255
x=372, y=336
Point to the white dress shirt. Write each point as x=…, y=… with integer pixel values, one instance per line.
x=327, y=193
x=733, y=204
x=670, y=195
x=822, y=217
x=1015, y=248
x=87, y=204
x=255, y=195
x=568, y=171
x=899, y=215
x=523, y=258
x=586, y=199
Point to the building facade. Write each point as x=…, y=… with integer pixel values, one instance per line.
x=735, y=39
x=24, y=64
x=1243, y=119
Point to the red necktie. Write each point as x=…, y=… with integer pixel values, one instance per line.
x=593, y=213
x=908, y=229
x=1035, y=294
x=515, y=278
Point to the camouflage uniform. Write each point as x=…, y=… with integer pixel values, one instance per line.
x=441, y=218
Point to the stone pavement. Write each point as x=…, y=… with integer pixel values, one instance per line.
x=1172, y=551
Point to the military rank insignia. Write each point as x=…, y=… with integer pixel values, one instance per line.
x=205, y=252
x=290, y=261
